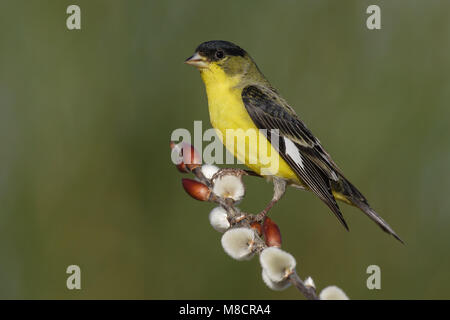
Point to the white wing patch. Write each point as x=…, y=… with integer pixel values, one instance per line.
x=334, y=176
x=293, y=152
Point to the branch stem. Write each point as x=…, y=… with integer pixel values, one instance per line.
x=308, y=292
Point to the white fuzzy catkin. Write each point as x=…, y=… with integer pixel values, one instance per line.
x=309, y=282
x=209, y=170
x=277, y=263
x=277, y=286
x=333, y=293
x=229, y=186
x=238, y=243
x=218, y=219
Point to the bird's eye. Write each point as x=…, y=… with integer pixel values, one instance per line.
x=219, y=54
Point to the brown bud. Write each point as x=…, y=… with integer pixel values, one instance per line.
x=257, y=227
x=191, y=159
x=196, y=190
x=272, y=234
x=181, y=166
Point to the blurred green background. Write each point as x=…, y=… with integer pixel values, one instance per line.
x=86, y=117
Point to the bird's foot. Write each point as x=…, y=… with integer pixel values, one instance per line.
x=279, y=186
x=260, y=216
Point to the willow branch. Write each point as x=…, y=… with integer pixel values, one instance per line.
x=266, y=232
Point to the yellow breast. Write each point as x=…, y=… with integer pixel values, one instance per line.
x=236, y=129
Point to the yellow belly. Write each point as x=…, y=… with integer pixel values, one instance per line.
x=239, y=134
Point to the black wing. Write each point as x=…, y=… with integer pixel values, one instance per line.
x=296, y=144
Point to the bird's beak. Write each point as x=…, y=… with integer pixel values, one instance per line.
x=197, y=61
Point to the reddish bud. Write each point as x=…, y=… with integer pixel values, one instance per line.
x=182, y=168
x=176, y=148
x=196, y=190
x=190, y=158
x=272, y=234
x=257, y=227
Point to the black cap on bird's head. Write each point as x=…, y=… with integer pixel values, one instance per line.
x=216, y=49
x=212, y=51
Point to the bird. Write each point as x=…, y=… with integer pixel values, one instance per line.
x=241, y=99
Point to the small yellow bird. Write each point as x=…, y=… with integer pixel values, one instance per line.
x=241, y=100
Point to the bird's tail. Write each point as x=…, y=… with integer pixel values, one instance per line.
x=356, y=198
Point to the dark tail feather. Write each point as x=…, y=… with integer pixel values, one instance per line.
x=337, y=212
x=376, y=218
x=355, y=197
